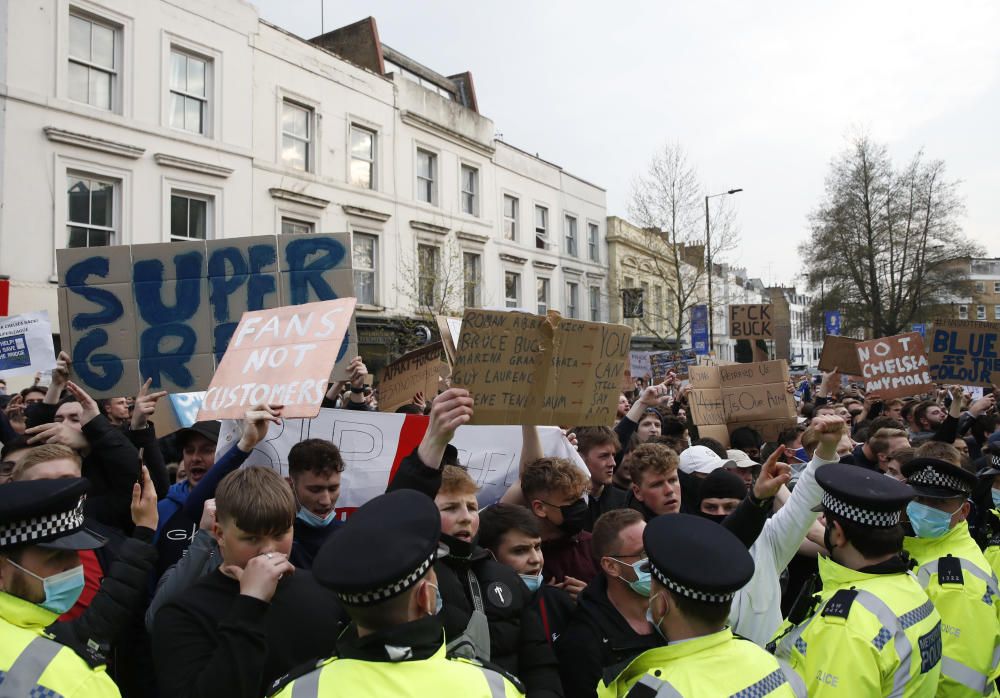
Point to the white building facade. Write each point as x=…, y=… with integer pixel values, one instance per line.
x=142, y=121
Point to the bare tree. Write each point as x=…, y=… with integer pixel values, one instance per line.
x=667, y=202
x=884, y=241
x=436, y=280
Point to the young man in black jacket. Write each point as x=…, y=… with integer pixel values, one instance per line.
x=486, y=611
x=255, y=617
x=314, y=468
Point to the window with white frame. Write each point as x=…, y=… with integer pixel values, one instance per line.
x=363, y=149
x=542, y=288
x=541, y=227
x=92, y=210
x=472, y=270
x=293, y=226
x=190, y=216
x=426, y=176
x=470, y=190
x=94, y=50
x=296, y=136
x=980, y=312
x=996, y=287
x=189, y=77
x=365, y=261
x=510, y=214
x=428, y=265
x=512, y=289
x=595, y=303
x=573, y=299
x=570, y=230
x=593, y=251
x=963, y=312
x=980, y=287
x=996, y=312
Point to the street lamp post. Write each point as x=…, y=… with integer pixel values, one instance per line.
x=708, y=252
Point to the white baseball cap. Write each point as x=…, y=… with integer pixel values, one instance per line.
x=740, y=458
x=703, y=460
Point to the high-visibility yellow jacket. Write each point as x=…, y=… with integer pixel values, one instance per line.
x=437, y=675
x=33, y=665
x=960, y=582
x=870, y=635
x=719, y=664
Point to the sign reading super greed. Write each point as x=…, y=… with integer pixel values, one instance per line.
x=166, y=311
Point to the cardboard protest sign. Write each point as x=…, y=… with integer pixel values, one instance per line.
x=416, y=371
x=26, y=344
x=841, y=353
x=281, y=356
x=895, y=366
x=760, y=373
x=166, y=311
x=704, y=376
x=965, y=352
x=751, y=321
x=372, y=445
x=727, y=397
x=706, y=406
x=532, y=369
x=757, y=402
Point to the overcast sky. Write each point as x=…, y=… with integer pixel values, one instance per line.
x=761, y=95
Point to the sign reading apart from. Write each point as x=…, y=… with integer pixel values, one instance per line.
x=735, y=395
x=533, y=369
x=26, y=344
x=281, y=356
x=750, y=321
x=965, y=352
x=895, y=366
x=166, y=311
x=415, y=371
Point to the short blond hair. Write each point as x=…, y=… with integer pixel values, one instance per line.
x=650, y=458
x=455, y=480
x=555, y=475
x=44, y=454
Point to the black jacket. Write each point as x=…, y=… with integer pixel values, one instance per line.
x=555, y=608
x=517, y=639
x=745, y=522
x=306, y=542
x=597, y=642
x=611, y=498
x=858, y=457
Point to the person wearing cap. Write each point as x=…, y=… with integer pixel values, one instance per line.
x=872, y=630
x=696, y=567
x=180, y=516
x=955, y=574
x=986, y=496
x=742, y=465
x=395, y=645
x=41, y=532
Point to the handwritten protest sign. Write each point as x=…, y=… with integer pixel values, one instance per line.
x=895, y=366
x=373, y=443
x=416, y=371
x=166, y=311
x=281, y=356
x=26, y=344
x=532, y=369
x=965, y=352
x=751, y=321
x=726, y=397
x=841, y=353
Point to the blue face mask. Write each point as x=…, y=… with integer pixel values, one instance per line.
x=532, y=581
x=928, y=522
x=656, y=626
x=438, y=602
x=311, y=519
x=996, y=497
x=61, y=590
x=641, y=584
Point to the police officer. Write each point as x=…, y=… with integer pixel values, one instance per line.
x=956, y=576
x=380, y=564
x=871, y=631
x=41, y=530
x=696, y=567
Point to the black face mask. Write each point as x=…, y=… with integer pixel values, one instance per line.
x=717, y=518
x=575, y=517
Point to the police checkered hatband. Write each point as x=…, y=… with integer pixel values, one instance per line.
x=867, y=517
x=370, y=598
x=695, y=594
x=932, y=478
x=995, y=459
x=42, y=528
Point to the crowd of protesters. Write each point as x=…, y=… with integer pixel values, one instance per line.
x=854, y=554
